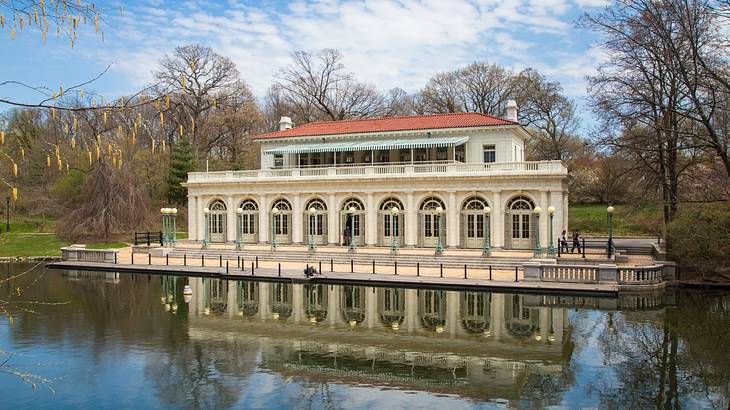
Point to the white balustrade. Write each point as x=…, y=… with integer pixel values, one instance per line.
x=391, y=169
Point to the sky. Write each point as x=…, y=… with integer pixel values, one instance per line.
x=389, y=43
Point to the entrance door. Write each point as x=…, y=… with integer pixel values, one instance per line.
x=281, y=228
x=474, y=230
x=217, y=222
x=431, y=229
x=521, y=229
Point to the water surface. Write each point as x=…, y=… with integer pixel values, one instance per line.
x=135, y=341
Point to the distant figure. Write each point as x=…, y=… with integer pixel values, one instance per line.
x=563, y=242
x=576, y=242
x=348, y=235
x=310, y=271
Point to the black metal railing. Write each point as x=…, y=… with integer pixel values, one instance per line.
x=148, y=238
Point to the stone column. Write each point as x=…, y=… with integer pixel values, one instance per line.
x=297, y=220
x=264, y=219
x=411, y=220
x=544, y=219
x=231, y=218
x=371, y=221
x=371, y=307
x=332, y=212
x=497, y=220
x=200, y=217
x=452, y=312
x=556, y=200
x=411, y=305
x=192, y=217
x=566, y=215
x=452, y=222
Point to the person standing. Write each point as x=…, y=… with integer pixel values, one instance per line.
x=576, y=241
x=563, y=242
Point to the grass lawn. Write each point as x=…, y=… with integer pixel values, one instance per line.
x=627, y=220
x=30, y=244
x=106, y=245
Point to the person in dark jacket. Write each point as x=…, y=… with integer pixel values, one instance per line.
x=563, y=242
x=576, y=242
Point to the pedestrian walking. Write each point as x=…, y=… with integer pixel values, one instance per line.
x=576, y=242
x=563, y=242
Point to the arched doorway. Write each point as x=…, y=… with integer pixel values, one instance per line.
x=476, y=312
x=390, y=225
x=282, y=221
x=353, y=304
x=431, y=224
x=352, y=222
x=519, y=223
x=249, y=221
x=432, y=309
x=392, y=307
x=217, y=221
x=315, y=222
x=473, y=223
x=248, y=298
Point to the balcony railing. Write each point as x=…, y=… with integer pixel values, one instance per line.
x=389, y=170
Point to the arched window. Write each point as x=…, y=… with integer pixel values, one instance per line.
x=391, y=226
x=521, y=203
x=316, y=204
x=473, y=222
x=217, y=221
x=217, y=205
x=352, y=222
x=315, y=219
x=249, y=217
x=431, y=222
x=282, y=220
x=282, y=204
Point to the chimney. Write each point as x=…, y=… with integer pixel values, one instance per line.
x=512, y=110
x=285, y=123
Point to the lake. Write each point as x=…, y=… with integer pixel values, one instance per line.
x=105, y=340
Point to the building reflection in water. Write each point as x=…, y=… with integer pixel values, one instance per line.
x=393, y=335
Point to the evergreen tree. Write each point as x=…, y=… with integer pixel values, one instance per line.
x=181, y=163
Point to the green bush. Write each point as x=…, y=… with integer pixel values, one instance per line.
x=699, y=236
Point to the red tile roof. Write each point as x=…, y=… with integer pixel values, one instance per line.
x=417, y=122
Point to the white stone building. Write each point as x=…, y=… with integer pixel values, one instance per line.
x=416, y=180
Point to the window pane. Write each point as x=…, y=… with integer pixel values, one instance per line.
x=525, y=226
x=515, y=226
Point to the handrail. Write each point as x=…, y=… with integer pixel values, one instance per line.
x=391, y=169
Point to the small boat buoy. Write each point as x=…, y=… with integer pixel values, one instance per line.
x=187, y=290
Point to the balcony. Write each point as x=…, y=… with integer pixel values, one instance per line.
x=384, y=170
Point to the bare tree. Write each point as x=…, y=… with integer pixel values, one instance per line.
x=442, y=94
x=317, y=87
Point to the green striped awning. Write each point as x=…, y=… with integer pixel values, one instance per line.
x=414, y=143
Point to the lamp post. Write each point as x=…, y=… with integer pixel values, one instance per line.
x=394, y=227
x=274, y=214
x=7, y=213
x=538, y=248
x=312, y=228
x=239, y=229
x=487, y=251
x=351, y=214
x=173, y=220
x=610, y=210
x=551, y=249
x=439, y=243
x=206, y=233
x=165, y=214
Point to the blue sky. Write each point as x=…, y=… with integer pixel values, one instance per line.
x=385, y=42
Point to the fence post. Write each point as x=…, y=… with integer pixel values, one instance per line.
x=149, y=258
x=320, y=267
x=160, y=233
x=167, y=259
x=238, y=261
x=220, y=261
x=185, y=259
x=226, y=266
x=516, y=280
x=257, y=262
x=441, y=266
x=332, y=265
x=395, y=265
x=352, y=266
x=115, y=258
x=560, y=245
x=373, y=266
x=584, y=248
x=202, y=259
x=252, y=273
x=490, y=272
x=132, y=256
x=418, y=268
x=465, y=271
x=279, y=268
x=148, y=239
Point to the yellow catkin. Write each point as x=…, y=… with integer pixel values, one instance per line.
x=134, y=138
x=60, y=93
x=59, y=163
x=105, y=118
x=65, y=127
x=48, y=161
x=120, y=131
x=15, y=169
x=67, y=167
x=163, y=145
x=98, y=139
x=98, y=152
x=182, y=130
x=192, y=125
x=89, y=155
x=22, y=153
x=53, y=113
x=109, y=149
x=119, y=163
x=152, y=145
x=162, y=119
x=167, y=101
x=73, y=142
x=15, y=194
x=76, y=124
x=2, y=137
x=58, y=152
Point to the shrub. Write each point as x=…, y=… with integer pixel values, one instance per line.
x=699, y=236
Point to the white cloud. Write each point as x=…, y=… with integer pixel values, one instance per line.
x=386, y=42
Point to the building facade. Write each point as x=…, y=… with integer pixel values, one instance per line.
x=451, y=180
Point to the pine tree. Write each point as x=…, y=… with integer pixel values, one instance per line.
x=181, y=163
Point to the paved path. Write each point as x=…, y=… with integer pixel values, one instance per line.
x=426, y=280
